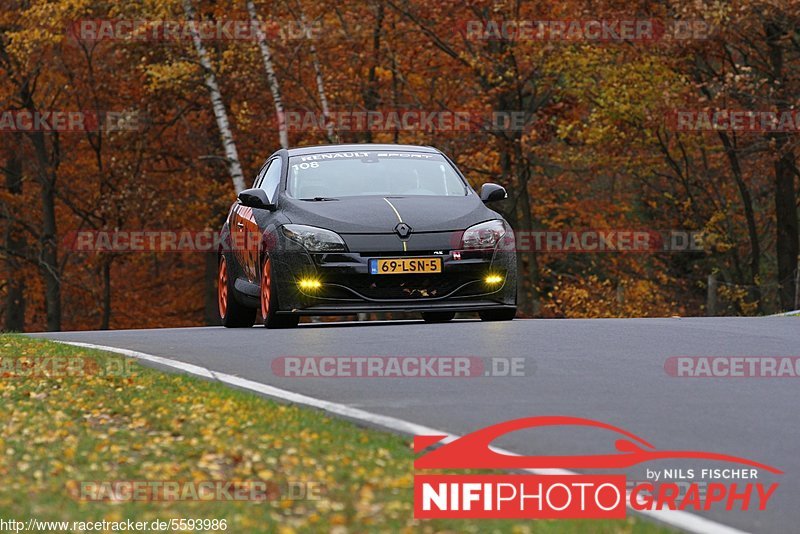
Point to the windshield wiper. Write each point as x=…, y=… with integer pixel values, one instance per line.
x=318, y=199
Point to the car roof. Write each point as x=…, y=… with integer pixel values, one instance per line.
x=302, y=151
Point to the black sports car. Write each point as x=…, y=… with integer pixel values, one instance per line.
x=344, y=229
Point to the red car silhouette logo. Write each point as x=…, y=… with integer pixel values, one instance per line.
x=473, y=451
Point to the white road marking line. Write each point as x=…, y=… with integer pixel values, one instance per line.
x=676, y=518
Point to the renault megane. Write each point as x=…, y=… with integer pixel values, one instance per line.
x=345, y=229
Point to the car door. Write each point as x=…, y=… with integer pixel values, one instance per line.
x=241, y=222
x=268, y=180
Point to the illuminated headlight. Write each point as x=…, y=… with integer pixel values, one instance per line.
x=493, y=279
x=314, y=239
x=309, y=284
x=483, y=235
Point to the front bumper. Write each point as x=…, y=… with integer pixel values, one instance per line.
x=347, y=287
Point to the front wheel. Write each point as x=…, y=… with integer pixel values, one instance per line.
x=231, y=313
x=505, y=314
x=269, y=301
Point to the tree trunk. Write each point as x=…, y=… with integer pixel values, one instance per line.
x=274, y=86
x=520, y=212
x=323, y=99
x=48, y=258
x=711, y=296
x=218, y=105
x=752, y=232
x=788, y=236
x=371, y=95
x=531, y=273
x=105, y=321
x=15, y=245
x=786, y=223
x=523, y=172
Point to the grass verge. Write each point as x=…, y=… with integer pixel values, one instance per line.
x=134, y=423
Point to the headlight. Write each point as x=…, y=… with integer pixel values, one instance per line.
x=483, y=235
x=314, y=239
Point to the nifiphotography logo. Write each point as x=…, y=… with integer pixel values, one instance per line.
x=560, y=494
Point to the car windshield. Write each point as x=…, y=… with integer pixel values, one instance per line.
x=347, y=174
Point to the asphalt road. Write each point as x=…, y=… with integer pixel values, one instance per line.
x=608, y=370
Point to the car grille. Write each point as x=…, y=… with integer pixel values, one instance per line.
x=399, y=286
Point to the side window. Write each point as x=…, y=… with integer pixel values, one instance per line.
x=272, y=178
x=260, y=176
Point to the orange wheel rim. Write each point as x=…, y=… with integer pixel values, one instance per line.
x=266, y=285
x=222, y=288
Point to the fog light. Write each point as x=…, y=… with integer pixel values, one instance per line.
x=493, y=279
x=309, y=284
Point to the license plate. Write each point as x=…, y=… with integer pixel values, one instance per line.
x=405, y=265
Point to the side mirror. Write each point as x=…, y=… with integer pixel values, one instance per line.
x=256, y=198
x=493, y=192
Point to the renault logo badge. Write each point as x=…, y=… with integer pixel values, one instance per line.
x=403, y=230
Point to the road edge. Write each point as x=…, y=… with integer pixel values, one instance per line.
x=674, y=518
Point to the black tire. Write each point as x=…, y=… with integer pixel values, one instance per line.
x=269, y=301
x=231, y=313
x=505, y=314
x=438, y=317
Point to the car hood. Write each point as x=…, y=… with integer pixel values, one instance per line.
x=380, y=215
